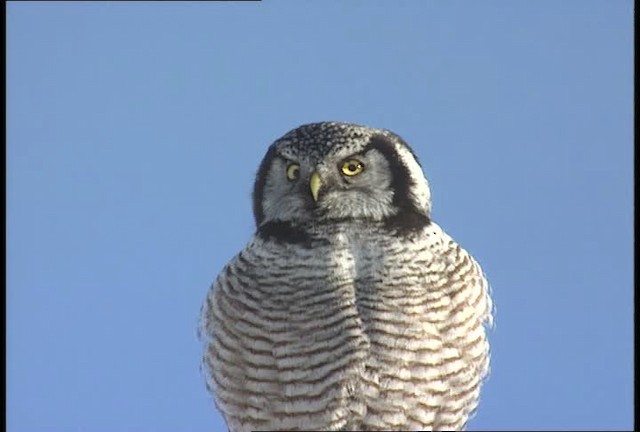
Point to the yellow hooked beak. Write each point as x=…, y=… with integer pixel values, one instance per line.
x=314, y=183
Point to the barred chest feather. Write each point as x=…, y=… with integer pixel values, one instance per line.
x=356, y=330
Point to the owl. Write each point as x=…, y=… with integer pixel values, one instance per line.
x=350, y=308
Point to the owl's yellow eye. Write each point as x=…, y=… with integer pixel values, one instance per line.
x=352, y=167
x=293, y=171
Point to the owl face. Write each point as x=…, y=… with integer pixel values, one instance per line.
x=334, y=171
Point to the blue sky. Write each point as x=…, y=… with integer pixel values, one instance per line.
x=134, y=131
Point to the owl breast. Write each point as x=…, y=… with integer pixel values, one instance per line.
x=354, y=331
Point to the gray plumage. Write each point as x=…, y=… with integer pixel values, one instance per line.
x=350, y=309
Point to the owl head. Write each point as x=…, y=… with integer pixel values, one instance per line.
x=330, y=171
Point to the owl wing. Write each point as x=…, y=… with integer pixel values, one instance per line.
x=263, y=357
x=465, y=310
x=424, y=316
x=237, y=362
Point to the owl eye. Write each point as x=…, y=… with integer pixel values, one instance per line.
x=352, y=167
x=293, y=171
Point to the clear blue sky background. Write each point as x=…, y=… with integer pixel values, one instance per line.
x=134, y=131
